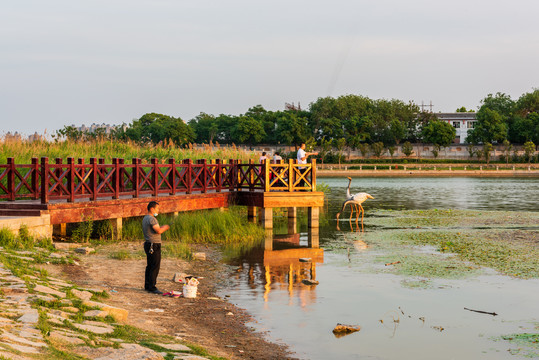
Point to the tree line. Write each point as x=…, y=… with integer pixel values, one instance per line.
x=348, y=121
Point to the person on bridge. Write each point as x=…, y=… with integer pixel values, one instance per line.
x=302, y=159
x=152, y=246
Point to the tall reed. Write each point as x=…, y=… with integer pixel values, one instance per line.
x=23, y=151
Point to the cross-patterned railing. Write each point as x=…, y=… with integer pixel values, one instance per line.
x=72, y=181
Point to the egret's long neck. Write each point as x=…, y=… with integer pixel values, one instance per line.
x=348, y=196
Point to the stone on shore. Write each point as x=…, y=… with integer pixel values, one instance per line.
x=30, y=317
x=48, y=290
x=174, y=347
x=95, y=329
x=117, y=313
x=84, y=250
x=96, y=313
x=65, y=245
x=83, y=295
x=65, y=338
x=310, y=282
x=126, y=352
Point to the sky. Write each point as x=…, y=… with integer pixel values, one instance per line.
x=66, y=62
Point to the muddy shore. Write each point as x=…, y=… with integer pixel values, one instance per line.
x=207, y=321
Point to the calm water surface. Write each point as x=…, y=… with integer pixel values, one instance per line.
x=397, y=322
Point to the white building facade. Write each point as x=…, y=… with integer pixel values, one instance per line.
x=462, y=122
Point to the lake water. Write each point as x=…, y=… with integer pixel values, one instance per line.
x=397, y=322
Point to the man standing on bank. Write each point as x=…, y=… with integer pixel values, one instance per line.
x=152, y=246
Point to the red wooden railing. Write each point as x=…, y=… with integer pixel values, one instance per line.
x=76, y=180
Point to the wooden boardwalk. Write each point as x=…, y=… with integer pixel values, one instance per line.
x=74, y=191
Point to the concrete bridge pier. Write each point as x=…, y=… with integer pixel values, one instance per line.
x=251, y=213
x=266, y=218
x=314, y=238
x=117, y=225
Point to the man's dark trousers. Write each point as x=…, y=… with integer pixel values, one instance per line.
x=153, y=263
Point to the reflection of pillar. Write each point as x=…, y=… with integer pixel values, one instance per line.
x=268, y=240
x=313, y=270
x=313, y=217
x=292, y=220
x=314, y=236
x=251, y=213
x=266, y=218
x=267, y=285
x=290, y=279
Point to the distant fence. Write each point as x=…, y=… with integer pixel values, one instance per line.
x=76, y=180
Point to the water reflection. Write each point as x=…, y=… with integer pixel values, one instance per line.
x=283, y=264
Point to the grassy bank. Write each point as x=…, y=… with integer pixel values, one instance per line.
x=24, y=151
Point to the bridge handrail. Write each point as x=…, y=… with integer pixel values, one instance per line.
x=77, y=180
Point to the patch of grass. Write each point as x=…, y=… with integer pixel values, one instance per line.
x=43, y=325
x=121, y=255
x=528, y=344
x=428, y=266
x=177, y=250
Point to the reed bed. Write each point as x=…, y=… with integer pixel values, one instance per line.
x=24, y=151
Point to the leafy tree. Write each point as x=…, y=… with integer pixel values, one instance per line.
x=435, y=150
x=407, y=149
x=507, y=146
x=158, y=127
x=291, y=129
x=463, y=110
x=471, y=150
x=325, y=148
x=339, y=145
x=206, y=127
x=487, y=149
x=391, y=149
x=489, y=127
x=501, y=103
x=69, y=132
x=438, y=132
x=249, y=131
x=364, y=148
x=528, y=103
x=529, y=150
x=377, y=149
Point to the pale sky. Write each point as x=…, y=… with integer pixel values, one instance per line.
x=66, y=62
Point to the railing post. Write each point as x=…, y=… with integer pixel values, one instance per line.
x=172, y=176
x=58, y=173
x=251, y=175
x=83, y=174
x=116, y=178
x=135, y=176
x=231, y=175
x=290, y=175
x=93, y=179
x=71, y=179
x=313, y=174
x=155, y=177
x=266, y=175
x=11, y=178
x=205, y=174
x=121, y=175
x=35, y=179
x=218, y=174
x=189, y=175
x=44, y=180
x=238, y=178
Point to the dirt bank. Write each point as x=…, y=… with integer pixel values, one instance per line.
x=213, y=324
